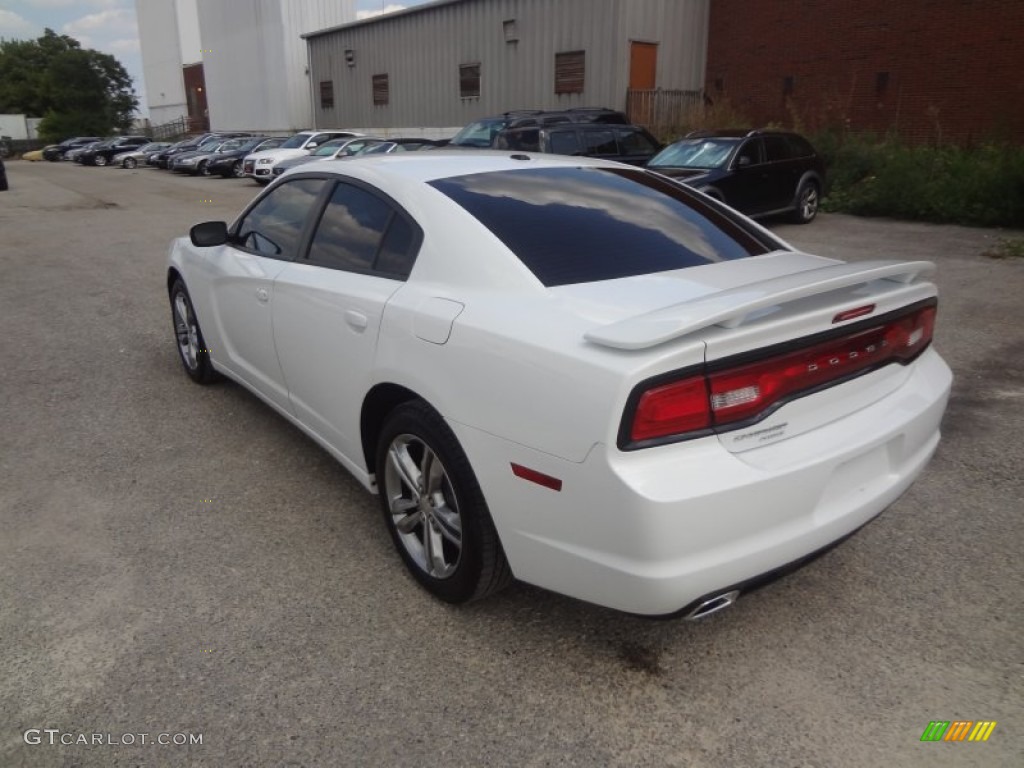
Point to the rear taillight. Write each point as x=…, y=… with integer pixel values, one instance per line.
x=739, y=394
x=681, y=406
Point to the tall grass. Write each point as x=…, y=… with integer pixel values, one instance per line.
x=979, y=185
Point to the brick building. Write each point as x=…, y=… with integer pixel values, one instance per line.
x=927, y=69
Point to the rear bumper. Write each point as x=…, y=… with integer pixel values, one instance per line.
x=655, y=531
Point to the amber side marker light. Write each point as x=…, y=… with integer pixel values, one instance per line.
x=537, y=477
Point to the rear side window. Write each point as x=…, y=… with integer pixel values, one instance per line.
x=777, y=148
x=599, y=143
x=799, y=146
x=361, y=232
x=577, y=225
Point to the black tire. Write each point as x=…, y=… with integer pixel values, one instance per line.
x=129, y=162
x=462, y=571
x=202, y=170
x=237, y=170
x=99, y=160
x=808, y=200
x=188, y=337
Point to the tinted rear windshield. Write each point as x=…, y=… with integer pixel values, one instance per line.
x=579, y=225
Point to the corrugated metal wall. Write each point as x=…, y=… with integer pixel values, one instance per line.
x=255, y=60
x=421, y=52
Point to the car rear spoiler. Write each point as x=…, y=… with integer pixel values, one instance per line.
x=732, y=307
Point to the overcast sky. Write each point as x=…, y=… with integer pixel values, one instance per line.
x=108, y=26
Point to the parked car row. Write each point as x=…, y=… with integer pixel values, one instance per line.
x=759, y=173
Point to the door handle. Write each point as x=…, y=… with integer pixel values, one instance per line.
x=263, y=294
x=357, y=320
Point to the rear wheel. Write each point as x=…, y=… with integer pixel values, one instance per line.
x=129, y=162
x=237, y=170
x=100, y=160
x=195, y=357
x=434, y=508
x=807, y=201
x=203, y=168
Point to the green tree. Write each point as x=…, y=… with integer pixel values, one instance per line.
x=76, y=90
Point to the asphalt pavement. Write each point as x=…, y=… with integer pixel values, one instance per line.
x=179, y=562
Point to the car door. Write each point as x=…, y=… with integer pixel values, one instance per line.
x=265, y=240
x=782, y=173
x=744, y=186
x=328, y=307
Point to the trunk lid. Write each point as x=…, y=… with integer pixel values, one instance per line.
x=768, y=306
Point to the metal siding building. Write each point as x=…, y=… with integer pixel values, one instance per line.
x=256, y=63
x=515, y=42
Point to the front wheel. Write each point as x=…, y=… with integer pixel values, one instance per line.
x=434, y=508
x=100, y=160
x=807, y=201
x=237, y=170
x=195, y=357
x=129, y=162
x=203, y=169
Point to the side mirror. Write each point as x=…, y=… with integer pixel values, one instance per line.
x=209, y=234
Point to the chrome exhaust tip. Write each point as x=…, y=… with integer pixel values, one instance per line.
x=713, y=605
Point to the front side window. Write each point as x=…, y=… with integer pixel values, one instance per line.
x=361, y=232
x=521, y=140
x=273, y=227
x=576, y=225
x=296, y=142
x=749, y=154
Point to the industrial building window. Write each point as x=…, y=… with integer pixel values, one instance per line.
x=326, y=94
x=469, y=81
x=570, y=68
x=380, y=90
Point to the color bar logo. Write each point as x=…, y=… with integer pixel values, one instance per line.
x=958, y=730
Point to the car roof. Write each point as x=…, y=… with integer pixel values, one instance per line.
x=431, y=166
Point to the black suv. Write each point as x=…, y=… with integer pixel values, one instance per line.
x=624, y=143
x=482, y=133
x=759, y=173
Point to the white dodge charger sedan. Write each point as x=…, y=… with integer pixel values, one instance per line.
x=576, y=373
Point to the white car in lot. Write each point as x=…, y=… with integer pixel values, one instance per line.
x=579, y=373
x=260, y=165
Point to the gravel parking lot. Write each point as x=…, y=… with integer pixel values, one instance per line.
x=180, y=560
